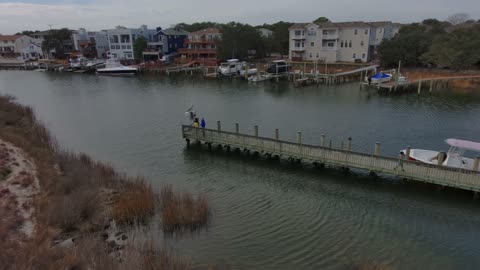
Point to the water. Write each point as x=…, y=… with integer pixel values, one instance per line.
x=268, y=215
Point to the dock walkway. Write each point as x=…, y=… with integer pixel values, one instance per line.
x=345, y=158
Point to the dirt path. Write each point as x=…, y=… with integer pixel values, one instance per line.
x=18, y=186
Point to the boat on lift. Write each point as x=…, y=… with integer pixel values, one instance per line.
x=260, y=77
x=278, y=67
x=381, y=77
x=453, y=158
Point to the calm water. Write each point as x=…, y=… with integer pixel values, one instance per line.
x=268, y=215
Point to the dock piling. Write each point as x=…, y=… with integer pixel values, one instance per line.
x=237, y=128
x=349, y=146
x=377, y=149
x=322, y=140
x=299, y=137
x=256, y=131
x=277, y=134
x=476, y=164
x=219, y=126
x=419, y=87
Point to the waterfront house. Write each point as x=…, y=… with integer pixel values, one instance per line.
x=21, y=47
x=67, y=44
x=101, y=43
x=336, y=42
x=172, y=39
x=201, y=46
x=121, y=40
x=84, y=43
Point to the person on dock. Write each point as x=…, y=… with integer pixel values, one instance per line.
x=196, y=123
x=203, y=124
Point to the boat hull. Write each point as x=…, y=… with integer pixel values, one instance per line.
x=125, y=72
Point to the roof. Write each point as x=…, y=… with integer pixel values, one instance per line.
x=380, y=24
x=327, y=24
x=468, y=145
x=352, y=24
x=206, y=31
x=173, y=32
x=298, y=26
x=9, y=37
x=265, y=29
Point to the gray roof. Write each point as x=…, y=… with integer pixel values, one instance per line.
x=327, y=24
x=380, y=24
x=173, y=31
x=352, y=24
x=298, y=25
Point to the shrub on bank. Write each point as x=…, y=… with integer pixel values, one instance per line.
x=182, y=210
x=135, y=203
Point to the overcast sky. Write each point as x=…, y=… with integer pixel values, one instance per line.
x=104, y=14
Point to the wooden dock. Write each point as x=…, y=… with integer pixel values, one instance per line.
x=420, y=84
x=345, y=158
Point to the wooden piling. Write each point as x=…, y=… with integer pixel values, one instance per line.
x=277, y=134
x=322, y=140
x=419, y=87
x=237, y=128
x=476, y=164
x=219, y=126
x=299, y=137
x=349, y=145
x=431, y=86
x=256, y=131
x=377, y=149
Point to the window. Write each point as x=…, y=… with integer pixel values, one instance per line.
x=129, y=47
x=124, y=47
x=312, y=33
x=361, y=43
x=366, y=31
x=311, y=56
x=354, y=55
x=112, y=47
x=118, y=47
x=341, y=44
x=331, y=44
x=312, y=44
x=303, y=44
x=355, y=32
x=298, y=33
x=350, y=44
x=318, y=55
x=363, y=55
x=325, y=32
x=380, y=30
x=115, y=39
x=125, y=38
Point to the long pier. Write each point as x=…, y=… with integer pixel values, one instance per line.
x=419, y=84
x=345, y=158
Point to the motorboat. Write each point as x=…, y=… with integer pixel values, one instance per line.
x=453, y=158
x=230, y=68
x=252, y=70
x=114, y=68
x=260, y=77
x=380, y=77
x=78, y=62
x=278, y=67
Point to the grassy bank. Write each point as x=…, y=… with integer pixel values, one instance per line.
x=78, y=200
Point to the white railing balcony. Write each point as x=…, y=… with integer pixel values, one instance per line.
x=298, y=49
x=330, y=36
x=329, y=48
x=298, y=36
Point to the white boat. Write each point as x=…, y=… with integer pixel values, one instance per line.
x=231, y=67
x=250, y=71
x=114, y=68
x=454, y=157
x=260, y=77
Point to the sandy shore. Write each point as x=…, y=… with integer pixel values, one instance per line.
x=18, y=187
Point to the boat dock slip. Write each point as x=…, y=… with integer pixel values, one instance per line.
x=373, y=162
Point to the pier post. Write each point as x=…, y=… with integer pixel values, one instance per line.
x=349, y=146
x=299, y=137
x=431, y=86
x=377, y=149
x=419, y=87
x=256, y=131
x=322, y=140
x=408, y=153
x=277, y=134
x=219, y=126
x=476, y=164
x=237, y=128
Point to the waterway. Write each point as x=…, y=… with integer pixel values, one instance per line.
x=271, y=215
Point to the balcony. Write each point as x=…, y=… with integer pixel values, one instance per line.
x=200, y=40
x=298, y=37
x=298, y=49
x=329, y=48
x=330, y=36
x=196, y=51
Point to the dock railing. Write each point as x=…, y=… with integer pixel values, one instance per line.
x=374, y=162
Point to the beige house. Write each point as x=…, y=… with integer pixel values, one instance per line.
x=20, y=46
x=337, y=42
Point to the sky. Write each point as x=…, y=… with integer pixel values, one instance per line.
x=94, y=15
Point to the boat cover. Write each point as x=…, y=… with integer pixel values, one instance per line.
x=381, y=75
x=474, y=146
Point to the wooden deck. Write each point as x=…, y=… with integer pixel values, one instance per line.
x=373, y=162
x=431, y=83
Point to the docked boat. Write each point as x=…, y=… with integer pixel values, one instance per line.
x=114, y=68
x=380, y=77
x=453, y=158
x=260, y=77
x=278, y=67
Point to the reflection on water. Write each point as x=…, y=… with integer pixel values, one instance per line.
x=269, y=215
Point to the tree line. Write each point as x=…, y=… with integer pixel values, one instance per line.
x=453, y=43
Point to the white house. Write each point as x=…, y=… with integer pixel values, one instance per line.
x=21, y=46
x=121, y=39
x=264, y=32
x=335, y=42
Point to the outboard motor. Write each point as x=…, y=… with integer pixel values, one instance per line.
x=441, y=157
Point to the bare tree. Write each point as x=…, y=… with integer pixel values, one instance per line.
x=458, y=18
